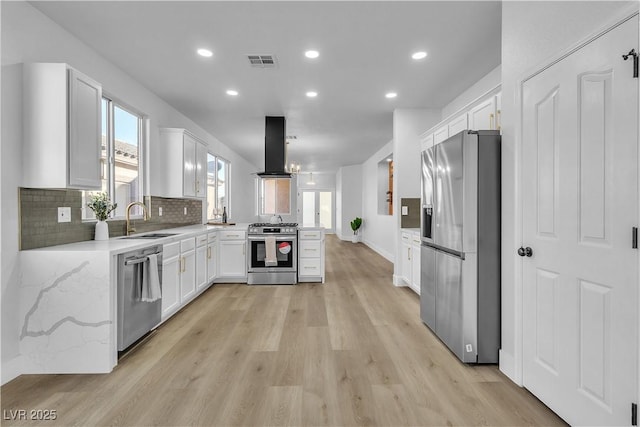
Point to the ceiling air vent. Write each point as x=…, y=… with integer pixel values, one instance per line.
x=262, y=61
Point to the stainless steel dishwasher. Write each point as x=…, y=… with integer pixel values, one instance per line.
x=136, y=317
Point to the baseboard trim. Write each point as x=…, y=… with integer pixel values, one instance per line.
x=386, y=255
x=12, y=369
x=399, y=281
x=507, y=366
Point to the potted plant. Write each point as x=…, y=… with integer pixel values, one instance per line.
x=101, y=206
x=355, y=226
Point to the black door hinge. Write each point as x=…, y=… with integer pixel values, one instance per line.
x=634, y=414
x=634, y=238
x=634, y=55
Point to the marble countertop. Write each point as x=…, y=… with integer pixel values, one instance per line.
x=119, y=245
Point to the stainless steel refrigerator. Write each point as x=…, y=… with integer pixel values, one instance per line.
x=460, y=251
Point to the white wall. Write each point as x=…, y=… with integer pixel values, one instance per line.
x=349, y=181
x=408, y=124
x=532, y=32
x=29, y=36
x=378, y=231
x=482, y=86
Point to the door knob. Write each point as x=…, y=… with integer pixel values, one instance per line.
x=525, y=251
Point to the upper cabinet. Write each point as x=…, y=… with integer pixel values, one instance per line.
x=482, y=114
x=178, y=166
x=62, y=128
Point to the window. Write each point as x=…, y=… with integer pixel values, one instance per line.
x=275, y=196
x=217, y=187
x=120, y=159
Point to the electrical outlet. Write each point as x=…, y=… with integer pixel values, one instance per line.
x=64, y=214
x=185, y=210
x=160, y=211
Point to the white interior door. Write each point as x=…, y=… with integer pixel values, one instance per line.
x=317, y=209
x=580, y=202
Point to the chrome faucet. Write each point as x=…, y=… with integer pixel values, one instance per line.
x=127, y=214
x=280, y=218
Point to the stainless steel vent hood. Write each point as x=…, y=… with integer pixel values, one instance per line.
x=275, y=148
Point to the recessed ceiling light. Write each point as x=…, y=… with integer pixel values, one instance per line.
x=419, y=55
x=389, y=160
x=312, y=94
x=312, y=54
x=205, y=52
x=391, y=95
x=232, y=92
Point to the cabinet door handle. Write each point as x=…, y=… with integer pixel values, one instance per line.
x=498, y=120
x=209, y=252
x=491, y=121
x=409, y=254
x=183, y=266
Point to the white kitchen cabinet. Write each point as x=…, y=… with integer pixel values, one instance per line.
x=201, y=262
x=232, y=256
x=62, y=122
x=212, y=257
x=201, y=171
x=441, y=134
x=311, y=255
x=483, y=115
x=458, y=124
x=405, y=257
x=171, y=265
x=499, y=111
x=187, y=270
x=415, y=262
x=426, y=141
x=178, y=165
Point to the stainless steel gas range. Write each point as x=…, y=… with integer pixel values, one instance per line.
x=273, y=254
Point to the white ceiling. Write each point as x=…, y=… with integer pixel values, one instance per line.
x=365, y=51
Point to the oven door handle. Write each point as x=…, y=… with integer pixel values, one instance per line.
x=290, y=237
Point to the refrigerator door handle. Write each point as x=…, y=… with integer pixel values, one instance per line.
x=439, y=248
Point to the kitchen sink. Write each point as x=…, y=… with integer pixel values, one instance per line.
x=151, y=236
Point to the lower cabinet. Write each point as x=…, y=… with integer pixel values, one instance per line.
x=311, y=255
x=212, y=257
x=410, y=260
x=178, y=275
x=405, y=257
x=171, y=266
x=232, y=256
x=202, y=278
x=188, y=270
x=415, y=263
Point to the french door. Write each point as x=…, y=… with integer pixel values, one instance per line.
x=580, y=206
x=317, y=209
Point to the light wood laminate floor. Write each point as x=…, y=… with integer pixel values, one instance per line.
x=352, y=351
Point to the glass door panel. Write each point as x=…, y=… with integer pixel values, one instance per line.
x=325, y=209
x=308, y=209
x=317, y=209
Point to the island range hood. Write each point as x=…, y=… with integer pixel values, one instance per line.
x=275, y=148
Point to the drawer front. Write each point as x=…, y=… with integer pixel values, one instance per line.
x=415, y=238
x=232, y=235
x=201, y=240
x=310, y=248
x=187, y=244
x=309, y=267
x=170, y=250
x=309, y=234
x=406, y=237
x=212, y=237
